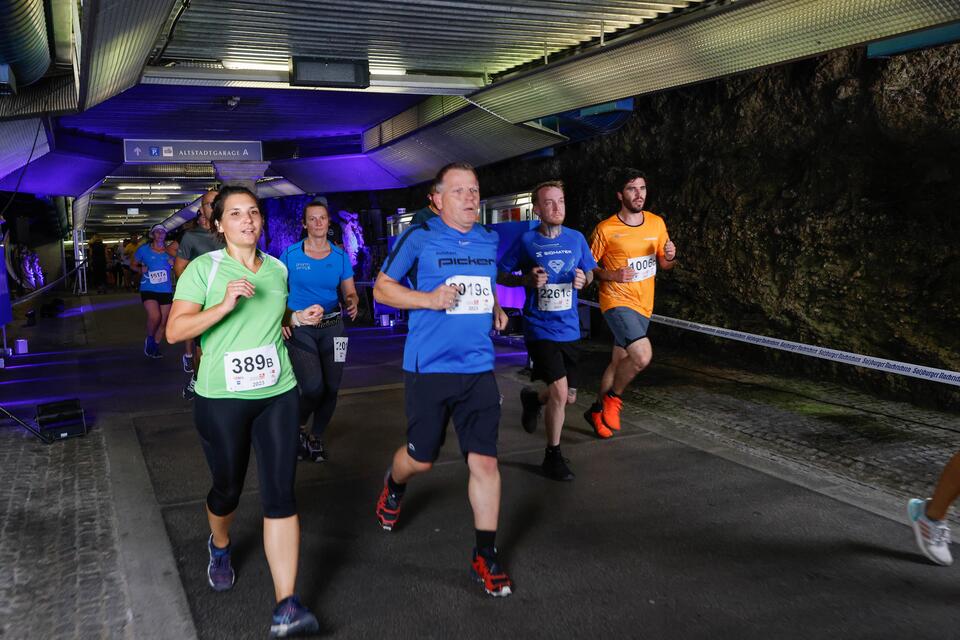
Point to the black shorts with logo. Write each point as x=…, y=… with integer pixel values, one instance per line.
x=554, y=360
x=162, y=298
x=472, y=400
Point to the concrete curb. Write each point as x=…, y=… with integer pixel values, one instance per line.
x=157, y=600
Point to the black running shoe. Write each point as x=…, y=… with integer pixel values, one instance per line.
x=388, y=506
x=314, y=449
x=302, y=452
x=188, y=391
x=555, y=466
x=530, y=400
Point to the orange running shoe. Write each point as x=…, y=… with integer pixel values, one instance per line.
x=595, y=420
x=611, y=411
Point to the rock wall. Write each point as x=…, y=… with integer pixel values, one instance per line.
x=816, y=202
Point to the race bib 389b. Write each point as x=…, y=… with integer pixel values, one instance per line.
x=256, y=368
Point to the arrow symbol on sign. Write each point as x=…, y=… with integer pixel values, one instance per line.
x=137, y=151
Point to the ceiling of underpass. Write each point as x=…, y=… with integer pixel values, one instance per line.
x=449, y=79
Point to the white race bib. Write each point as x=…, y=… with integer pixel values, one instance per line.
x=157, y=277
x=475, y=294
x=340, y=349
x=645, y=267
x=251, y=369
x=555, y=297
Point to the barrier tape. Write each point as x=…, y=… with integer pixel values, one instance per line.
x=880, y=364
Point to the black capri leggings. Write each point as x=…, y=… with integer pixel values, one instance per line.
x=227, y=428
x=311, y=353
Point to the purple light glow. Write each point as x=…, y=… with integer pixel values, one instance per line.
x=60, y=173
x=337, y=173
x=57, y=363
x=84, y=309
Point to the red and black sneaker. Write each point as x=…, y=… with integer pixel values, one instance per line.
x=491, y=575
x=388, y=507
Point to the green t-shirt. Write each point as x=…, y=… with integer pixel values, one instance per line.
x=253, y=323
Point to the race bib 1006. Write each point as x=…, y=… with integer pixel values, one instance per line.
x=251, y=369
x=475, y=294
x=157, y=277
x=340, y=348
x=644, y=266
x=555, y=297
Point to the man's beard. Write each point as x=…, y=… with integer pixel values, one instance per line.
x=629, y=206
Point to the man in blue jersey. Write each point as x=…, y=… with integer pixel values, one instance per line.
x=555, y=263
x=448, y=358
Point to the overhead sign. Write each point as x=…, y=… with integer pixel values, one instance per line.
x=160, y=151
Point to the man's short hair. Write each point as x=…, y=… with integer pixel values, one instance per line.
x=434, y=187
x=549, y=184
x=624, y=175
x=453, y=166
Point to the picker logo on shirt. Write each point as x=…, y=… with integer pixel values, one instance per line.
x=446, y=262
x=556, y=265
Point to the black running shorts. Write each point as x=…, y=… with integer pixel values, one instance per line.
x=554, y=360
x=472, y=400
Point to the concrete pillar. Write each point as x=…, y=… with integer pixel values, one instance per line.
x=239, y=173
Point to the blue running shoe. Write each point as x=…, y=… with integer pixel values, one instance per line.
x=291, y=618
x=219, y=572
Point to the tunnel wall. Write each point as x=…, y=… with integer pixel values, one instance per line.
x=815, y=202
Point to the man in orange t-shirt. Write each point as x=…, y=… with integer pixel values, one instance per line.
x=628, y=247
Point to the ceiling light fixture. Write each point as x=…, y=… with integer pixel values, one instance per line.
x=250, y=65
x=387, y=71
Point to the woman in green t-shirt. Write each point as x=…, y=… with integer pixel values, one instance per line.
x=235, y=299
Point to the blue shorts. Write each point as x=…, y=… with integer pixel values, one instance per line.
x=627, y=325
x=432, y=399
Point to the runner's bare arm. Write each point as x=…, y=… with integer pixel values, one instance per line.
x=668, y=259
x=179, y=265
x=388, y=291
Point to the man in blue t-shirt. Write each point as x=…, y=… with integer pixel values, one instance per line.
x=448, y=359
x=555, y=263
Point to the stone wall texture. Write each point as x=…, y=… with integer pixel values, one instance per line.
x=817, y=201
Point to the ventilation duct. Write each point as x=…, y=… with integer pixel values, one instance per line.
x=117, y=40
x=19, y=138
x=23, y=39
x=472, y=135
x=725, y=42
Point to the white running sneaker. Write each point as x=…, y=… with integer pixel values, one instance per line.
x=933, y=536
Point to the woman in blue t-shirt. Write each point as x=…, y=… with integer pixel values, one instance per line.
x=156, y=287
x=317, y=271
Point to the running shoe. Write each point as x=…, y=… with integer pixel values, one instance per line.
x=388, y=506
x=487, y=571
x=315, y=450
x=291, y=618
x=188, y=391
x=611, y=411
x=933, y=536
x=595, y=420
x=302, y=452
x=530, y=400
x=156, y=355
x=220, y=573
x=187, y=361
x=148, y=345
x=555, y=466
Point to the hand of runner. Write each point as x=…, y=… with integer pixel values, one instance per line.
x=312, y=314
x=350, y=306
x=500, y=318
x=670, y=250
x=579, y=279
x=237, y=289
x=443, y=297
x=536, y=278
x=286, y=331
x=625, y=274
